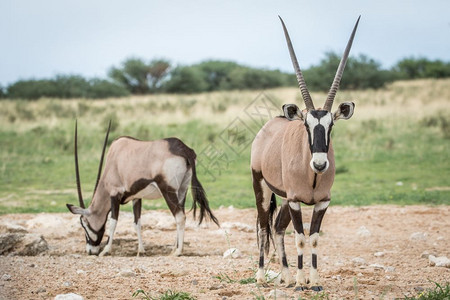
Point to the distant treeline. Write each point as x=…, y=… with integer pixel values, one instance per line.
x=137, y=76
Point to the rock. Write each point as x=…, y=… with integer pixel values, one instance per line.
x=441, y=261
x=271, y=275
x=238, y=226
x=378, y=254
x=358, y=261
x=277, y=294
x=216, y=287
x=22, y=244
x=389, y=269
x=194, y=282
x=12, y=228
x=70, y=296
x=232, y=253
x=67, y=284
x=377, y=266
x=363, y=232
x=418, y=236
x=41, y=290
x=6, y=277
x=127, y=273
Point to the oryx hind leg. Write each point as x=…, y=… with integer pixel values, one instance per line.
x=177, y=208
x=316, y=220
x=137, y=208
x=115, y=206
x=263, y=196
x=281, y=223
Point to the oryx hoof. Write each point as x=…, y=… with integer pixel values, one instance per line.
x=317, y=288
x=300, y=288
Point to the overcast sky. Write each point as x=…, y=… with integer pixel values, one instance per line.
x=42, y=38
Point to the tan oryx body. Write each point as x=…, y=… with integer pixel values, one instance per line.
x=136, y=170
x=292, y=157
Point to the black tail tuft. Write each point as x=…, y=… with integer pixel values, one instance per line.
x=199, y=196
x=269, y=237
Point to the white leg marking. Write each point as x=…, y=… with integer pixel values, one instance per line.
x=313, y=274
x=285, y=274
x=321, y=205
x=141, y=249
x=112, y=229
x=92, y=249
x=300, y=279
x=294, y=205
x=180, y=219
x=300, y=242
x=314, y=277
x=313, y=241
x=260, y=276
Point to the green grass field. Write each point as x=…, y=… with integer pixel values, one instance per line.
x=395, y=149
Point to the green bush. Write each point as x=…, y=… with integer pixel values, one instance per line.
x=413, y=68
x=360, y=73
x=64, y=87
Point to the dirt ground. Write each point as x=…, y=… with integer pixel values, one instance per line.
x=364, y=252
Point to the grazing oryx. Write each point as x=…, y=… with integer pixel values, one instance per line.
x=134, y=170
x=292, y=157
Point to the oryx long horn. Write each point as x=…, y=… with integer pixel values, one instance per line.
x=301, y=81
x=77, y=171
x=340, y=71
x=101, y=158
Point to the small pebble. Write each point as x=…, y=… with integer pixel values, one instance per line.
x=6, y=277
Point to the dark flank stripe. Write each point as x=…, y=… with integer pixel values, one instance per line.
x=314, y=261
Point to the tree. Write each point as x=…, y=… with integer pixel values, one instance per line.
x=186, y=80
x=412, y=68
x=361, y=72
x=140, y=77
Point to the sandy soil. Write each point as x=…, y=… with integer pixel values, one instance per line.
x=382, y=260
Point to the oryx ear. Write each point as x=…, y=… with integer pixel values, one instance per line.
x=292, y=112
x=78, y=210
x=344, y=111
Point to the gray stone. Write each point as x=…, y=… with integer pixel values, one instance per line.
x=363, y=232
x=70, y=296
x=22, y=244
x=418, y=236
x=6, y=277
x=232, y=253
x=277, y=294
x=441, y=261
x=12, y=228
x=358, y=261
x=127, y=273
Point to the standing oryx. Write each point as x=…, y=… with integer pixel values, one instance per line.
x=134, y=170
x=292, y=157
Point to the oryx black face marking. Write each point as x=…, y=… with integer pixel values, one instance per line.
x=318, y=124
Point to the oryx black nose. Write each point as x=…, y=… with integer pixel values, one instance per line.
x=320, y=167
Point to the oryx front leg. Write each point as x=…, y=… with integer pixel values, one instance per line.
x=115, y=205
x=137, y=208
x=296, y=216
x=316, y=220
x=281, y=223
